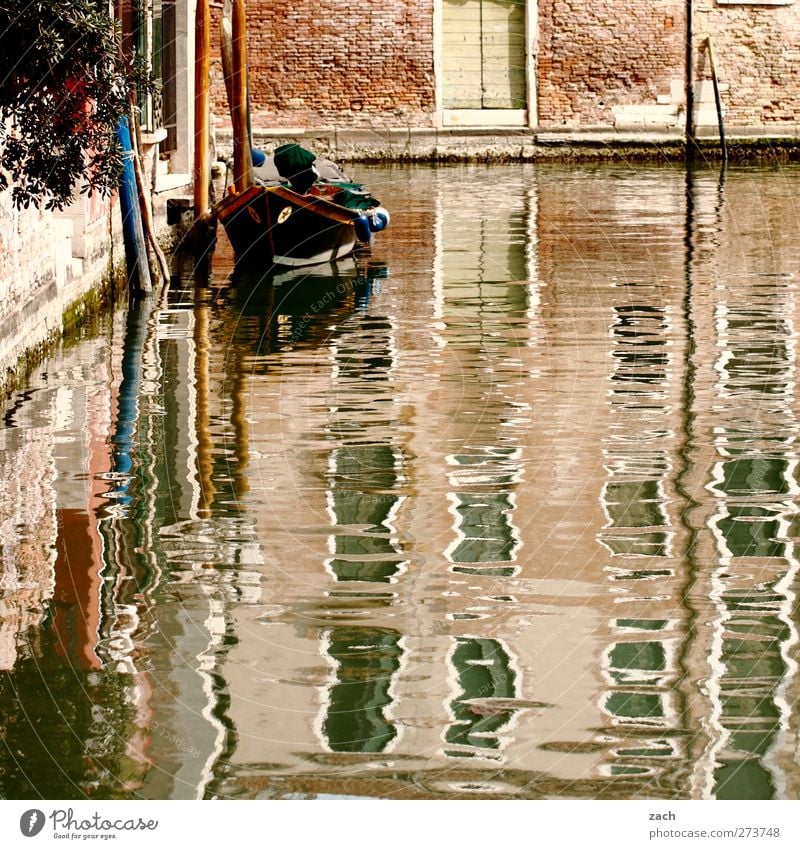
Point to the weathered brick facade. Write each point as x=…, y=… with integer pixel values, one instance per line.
x=326, y=62
x=605, y=63
x=757, y=53
x=594, y=56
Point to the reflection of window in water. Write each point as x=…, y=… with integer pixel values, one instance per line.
x=364, y=659
x=758, y=366
x=752, y=476
x=753, y=484
x=487, y=541
x=483, y=522
x=362, y=509
x=637, y=671
x=485, y=680
x=640, y=352
x=637, y=666
x=482, y=261
x=746, y=690
x=364, y=471
x=634, y=509
x=637, y=455
x=641, y=664
x=750, y=531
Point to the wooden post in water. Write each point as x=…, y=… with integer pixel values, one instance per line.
x=691, y=141
x=717, y=100
x=139, y=279
x=202, y=68
x=242, y=158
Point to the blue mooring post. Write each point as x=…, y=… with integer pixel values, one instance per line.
x=132, y=227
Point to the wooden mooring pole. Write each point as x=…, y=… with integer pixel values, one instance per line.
x=717, y=100
x=242, y=157
x=691, y=141
x=202, y=68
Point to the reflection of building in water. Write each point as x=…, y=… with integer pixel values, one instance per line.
x=481, y=282
x=364, y=472
x=318, y=674
x=460, y=543
x=27, y=535
x=484, y=556
x=364, y=480
x=754, y=486
x=118, y=497
x=68, y=717
x=741, y=472
x=640, y=664
x=204, y=552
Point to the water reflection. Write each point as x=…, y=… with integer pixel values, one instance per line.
x=754, y=486
x=481, y=713
x=515, y=520
x=355, y=715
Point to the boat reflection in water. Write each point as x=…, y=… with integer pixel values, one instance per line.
x=517, y=521
x=285, y=303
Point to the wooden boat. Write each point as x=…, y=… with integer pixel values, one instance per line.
x=274, y=225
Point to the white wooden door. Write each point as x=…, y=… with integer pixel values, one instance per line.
x=483, y=55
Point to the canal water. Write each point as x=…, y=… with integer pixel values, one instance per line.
x=507, y=508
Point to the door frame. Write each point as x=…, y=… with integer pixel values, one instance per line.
x=528, y=117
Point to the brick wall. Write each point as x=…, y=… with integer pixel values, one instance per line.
x=757, y=53
x=333, y=63
x=317, y=63
x=594, y=56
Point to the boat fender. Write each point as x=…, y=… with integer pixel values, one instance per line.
x=363, y=229
x=378, y=219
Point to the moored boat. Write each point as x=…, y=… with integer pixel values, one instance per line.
x=300, y=211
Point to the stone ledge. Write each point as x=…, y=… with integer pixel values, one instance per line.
x=508, y=144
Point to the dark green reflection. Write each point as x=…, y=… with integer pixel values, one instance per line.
x=366, y=659
x=484, y=521
x=65, y=732
x=362, y=475
x=753, y=668
x=742, y=779
x=483, y=670
x=759, y=370
x=640, y=663
x=640, y=354
x=751, y=531
x=635, y=504
x=648, y=654
x=627, y=705
x=744, y=476
x=758, y=433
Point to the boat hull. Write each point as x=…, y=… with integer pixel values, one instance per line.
x=274, y=225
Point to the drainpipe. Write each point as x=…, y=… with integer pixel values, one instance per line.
x=691, y=143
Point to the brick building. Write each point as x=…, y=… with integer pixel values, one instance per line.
x=518, y=63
